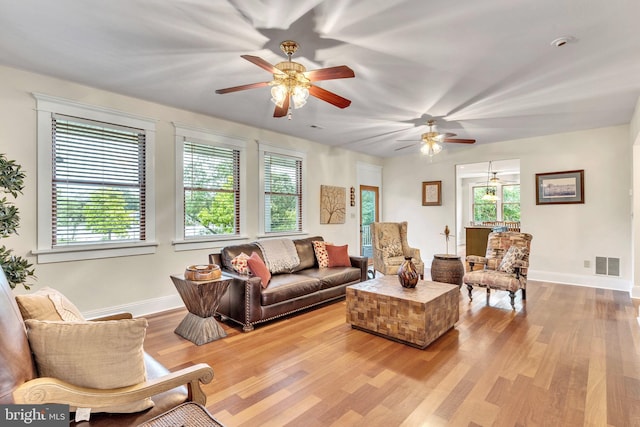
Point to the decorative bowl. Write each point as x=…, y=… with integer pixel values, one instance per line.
x=202, y=272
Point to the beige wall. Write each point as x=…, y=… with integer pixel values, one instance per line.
x=564, y=236
x=141, y=283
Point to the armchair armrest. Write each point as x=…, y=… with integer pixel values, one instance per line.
x=415, y=254
x=115, y=316
x=476, y=259
x=51, y=390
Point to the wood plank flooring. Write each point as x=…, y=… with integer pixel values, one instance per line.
x=569, y=356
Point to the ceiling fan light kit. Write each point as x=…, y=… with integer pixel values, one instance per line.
x=292, y=82
x=431, y=142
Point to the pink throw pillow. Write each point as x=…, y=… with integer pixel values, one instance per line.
x=338, y=255
x=258, y=268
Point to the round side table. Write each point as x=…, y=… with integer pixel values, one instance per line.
x=447, y=269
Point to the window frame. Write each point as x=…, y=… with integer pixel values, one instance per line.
x=46, y=107
x=299, y=155
x=502, y=203
x=498, y=203
x=185, y=133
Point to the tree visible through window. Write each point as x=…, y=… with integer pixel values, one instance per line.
x=484, y=210
x=511, y=202
x=282, y=193
x=211, y=190
x=98, y=182
x=504, y=208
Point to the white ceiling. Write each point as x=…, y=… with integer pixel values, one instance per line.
x=484, y=69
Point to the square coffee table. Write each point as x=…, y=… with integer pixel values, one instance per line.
x=416, y=317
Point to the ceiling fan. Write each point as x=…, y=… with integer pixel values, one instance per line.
x=292, y=80
x=430, y=141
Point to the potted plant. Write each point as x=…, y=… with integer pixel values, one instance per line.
x=16, y=268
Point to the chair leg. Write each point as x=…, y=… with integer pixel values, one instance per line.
x=524, y=294
x=470, y=288
x=513, y=297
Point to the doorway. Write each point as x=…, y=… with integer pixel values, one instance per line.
x=369, y=212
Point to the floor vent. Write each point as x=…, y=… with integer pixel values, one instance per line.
x=608, y=266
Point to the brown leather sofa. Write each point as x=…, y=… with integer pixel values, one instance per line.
x=19, y=382
x=248, y=303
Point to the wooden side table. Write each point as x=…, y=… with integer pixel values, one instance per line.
x=201, y=299
x=447, y=269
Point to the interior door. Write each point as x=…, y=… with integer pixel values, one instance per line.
x=369, y=212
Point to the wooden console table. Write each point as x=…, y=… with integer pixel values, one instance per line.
x=201, y=299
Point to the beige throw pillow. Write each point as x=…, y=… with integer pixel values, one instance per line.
x=48, y=304
x=102, y=355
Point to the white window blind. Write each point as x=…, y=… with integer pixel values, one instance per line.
x=211, y=178
x=282, y=193
x=98, y=182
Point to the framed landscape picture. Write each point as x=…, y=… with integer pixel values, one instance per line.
x=554, y=188
x=432, y=193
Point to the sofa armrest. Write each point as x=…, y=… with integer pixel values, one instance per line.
x=361, y=262
x=51, y=390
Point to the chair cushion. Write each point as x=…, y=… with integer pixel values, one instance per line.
x=510, y=259
x=48, y=304
x=102, y=355
x=494, y=279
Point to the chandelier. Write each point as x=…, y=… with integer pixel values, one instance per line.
x=490, y=191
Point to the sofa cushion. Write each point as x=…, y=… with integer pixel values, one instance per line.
x=332, y=277
x=338, y=256
x=259, y=268
x=240, y=265
x=285, y=287
x=48, y=304
x=102, y=355
x=306, y=253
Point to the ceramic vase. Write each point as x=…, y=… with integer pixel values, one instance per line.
x=407, y=274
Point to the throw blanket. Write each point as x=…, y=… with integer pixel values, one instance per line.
x=280, y=255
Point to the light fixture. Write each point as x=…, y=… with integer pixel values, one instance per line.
x=292, y=83
x=430, y=140
x=490, y=191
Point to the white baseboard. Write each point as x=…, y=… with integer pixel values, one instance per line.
x=140, y=308
x=603, y=282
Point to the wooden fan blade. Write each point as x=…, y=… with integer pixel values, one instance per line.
x=262, y=64
x=460, y=141
x=329, y=97
x=282, y=111
x=243, y=87
x=339, y=72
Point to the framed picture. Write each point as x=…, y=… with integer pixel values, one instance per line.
x=432, y=193
x=554, y=188
x=333, y=202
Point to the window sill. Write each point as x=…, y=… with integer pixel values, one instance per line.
x=283, y=234
x=84, y=252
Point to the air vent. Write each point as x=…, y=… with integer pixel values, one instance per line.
x=608, y=266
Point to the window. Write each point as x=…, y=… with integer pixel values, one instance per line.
x=504, y=208
x=282, y=202
x=484, y=210
x=511, y=202
x=209, y=187
x=93, y=185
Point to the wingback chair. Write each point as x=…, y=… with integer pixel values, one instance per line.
x=505, y=264
x=390, y=247
x=20, y=382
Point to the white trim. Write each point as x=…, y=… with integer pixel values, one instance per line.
x=302, y=155
x=208, y=137
x=139, y=308
x=46, y=106
x=209, y=242
x=602, y=282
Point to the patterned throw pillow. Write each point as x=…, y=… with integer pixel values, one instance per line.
x=393, y=249
x=320, y=248
x=239, y=264
x=512, y=255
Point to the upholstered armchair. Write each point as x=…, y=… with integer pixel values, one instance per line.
x=504, y=266
x=30, y=347
x=390, y=247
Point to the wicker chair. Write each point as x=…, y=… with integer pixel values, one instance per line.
x=504, y=266
x=389, y=241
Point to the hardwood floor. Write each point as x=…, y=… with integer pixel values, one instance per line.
x=569, y=357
